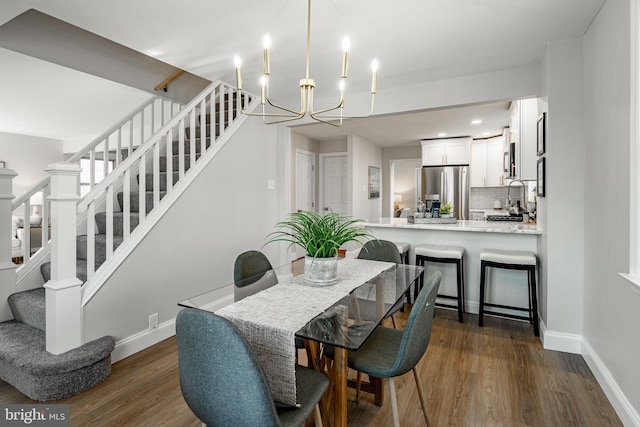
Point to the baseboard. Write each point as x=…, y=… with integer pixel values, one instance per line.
x=142, y=340
x=625, y=410
x=138, y=342
x=560, y=341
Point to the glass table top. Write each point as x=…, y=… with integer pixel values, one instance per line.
x=350, y=320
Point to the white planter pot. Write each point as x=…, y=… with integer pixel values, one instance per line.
x=320, y=271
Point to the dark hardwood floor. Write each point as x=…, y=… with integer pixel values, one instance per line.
x=498, y=375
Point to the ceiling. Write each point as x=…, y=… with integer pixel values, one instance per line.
x=414, y=41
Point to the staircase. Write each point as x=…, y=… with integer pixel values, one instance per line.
x=115, y=215
x=100, y=238
x=40, y=375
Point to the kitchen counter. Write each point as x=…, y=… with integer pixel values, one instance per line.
x=508, y=287
x=461, y=225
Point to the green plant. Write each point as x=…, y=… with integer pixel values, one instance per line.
x=320, y=235
x=446, y=209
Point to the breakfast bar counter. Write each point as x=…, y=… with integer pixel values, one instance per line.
x=507, y=287
x=472, y=226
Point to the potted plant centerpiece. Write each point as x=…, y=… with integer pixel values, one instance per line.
x=446, y=210
x=321, y=236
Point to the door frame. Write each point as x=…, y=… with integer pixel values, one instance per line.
x=295, y=174
x=323, y=156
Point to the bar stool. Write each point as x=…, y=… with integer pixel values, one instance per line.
x=511, y=260
x=443, y=254
x=403, y=248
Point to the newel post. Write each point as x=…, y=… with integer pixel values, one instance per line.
x=64, y=289
x=7, y=267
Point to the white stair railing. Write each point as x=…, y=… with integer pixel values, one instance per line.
x=117, y=142
x=175, y=153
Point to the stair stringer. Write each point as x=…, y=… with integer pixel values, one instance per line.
x=106, y=270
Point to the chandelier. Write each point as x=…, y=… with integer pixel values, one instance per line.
x=279, y=114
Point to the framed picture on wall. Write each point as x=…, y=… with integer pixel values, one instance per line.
x=540, y=181
x=541, y=134
x=374, y=182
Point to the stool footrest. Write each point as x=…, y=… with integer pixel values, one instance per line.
x=509, y=307
x=510, y=316
x=440, y=304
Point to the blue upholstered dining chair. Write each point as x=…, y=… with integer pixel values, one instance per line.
x=223, y=383
x=389, y=353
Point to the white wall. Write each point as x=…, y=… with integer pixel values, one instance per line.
x=362, y=154
x=28, y=156
x=562, y=213
x=191, y=250
x=611, y=308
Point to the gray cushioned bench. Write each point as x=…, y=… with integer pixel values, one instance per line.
x=26, y=365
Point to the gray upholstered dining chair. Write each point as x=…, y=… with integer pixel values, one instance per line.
x=380, y=250
x=389, y=353
x=223, y=383
x=251, y=274
x=385, y=251
x=248, y=274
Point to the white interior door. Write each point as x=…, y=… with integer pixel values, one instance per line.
x=305, y=180
x=334, y=181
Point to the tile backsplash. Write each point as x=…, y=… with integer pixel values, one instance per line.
x=483, y=197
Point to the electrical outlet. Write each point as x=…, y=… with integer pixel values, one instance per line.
x=153, y=321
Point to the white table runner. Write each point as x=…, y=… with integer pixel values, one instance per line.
x=270, y=318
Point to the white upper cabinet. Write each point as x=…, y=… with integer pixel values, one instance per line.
x=486, y=167
x=439, y=152
x=524, y=118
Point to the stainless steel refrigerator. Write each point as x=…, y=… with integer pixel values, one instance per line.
x=446, y=184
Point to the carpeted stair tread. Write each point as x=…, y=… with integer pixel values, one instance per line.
x=134, y=201
x=42, y=376
x=118, y=222
x=187, y=144
x=175, y=162
x=28, y=307
x=162, y=180
x=81, y=270
x=100, y=246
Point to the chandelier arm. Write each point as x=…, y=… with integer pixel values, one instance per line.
x=301, y=113
x=318, y=114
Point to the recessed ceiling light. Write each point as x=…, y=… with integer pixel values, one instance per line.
x=476, y=122
x=442, y=134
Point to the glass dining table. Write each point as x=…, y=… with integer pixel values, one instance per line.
x=274, y=308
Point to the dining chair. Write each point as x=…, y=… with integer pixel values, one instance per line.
x=248, y=274
x=223, y=383
x=380, y=250
x=251, y=274
x=389, y=353
x=385, y=251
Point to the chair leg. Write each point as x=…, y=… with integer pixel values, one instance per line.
x=421, y=395
x=316, y=416
x=358, y=383
x=394, y=402
x=393, y=321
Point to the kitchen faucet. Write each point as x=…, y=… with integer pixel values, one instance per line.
x=524, y=192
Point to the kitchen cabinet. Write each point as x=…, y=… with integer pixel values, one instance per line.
x=523, y=129
x=440, y=152
x=486, y=166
